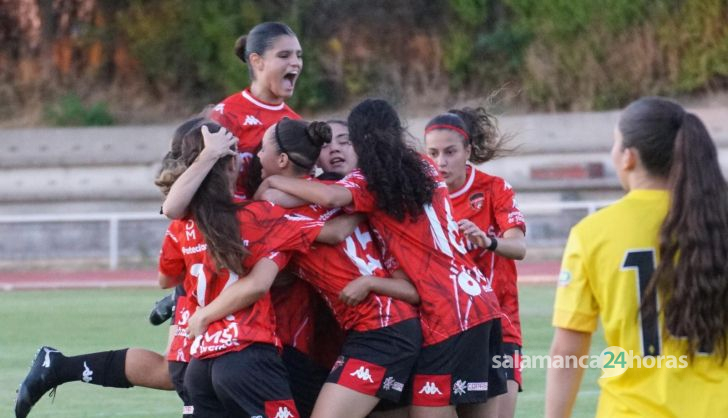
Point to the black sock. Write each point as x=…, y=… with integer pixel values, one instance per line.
x=105, y=368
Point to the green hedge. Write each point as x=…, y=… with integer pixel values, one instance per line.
x=564, y=54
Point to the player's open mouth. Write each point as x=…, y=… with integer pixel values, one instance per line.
x=290, y=79
x=336, y=160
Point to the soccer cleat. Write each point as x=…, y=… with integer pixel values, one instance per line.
x=40, y=379
x=163, y=309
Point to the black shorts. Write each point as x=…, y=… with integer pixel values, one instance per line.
x=252, y=382
x=460, y=369
x=306, y=379
x=177, y=371
x=514, y=364
x=379, y=362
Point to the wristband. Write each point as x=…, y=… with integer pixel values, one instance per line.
x=493, y=244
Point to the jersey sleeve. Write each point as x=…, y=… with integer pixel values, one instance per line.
x=294, y=230
x=171, y=260
x=507, y=214
x=280, y=258
x=575, y=307
x=362, y=199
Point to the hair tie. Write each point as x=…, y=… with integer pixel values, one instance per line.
x=448, y=127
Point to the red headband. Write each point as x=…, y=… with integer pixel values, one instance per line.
x=448, y=127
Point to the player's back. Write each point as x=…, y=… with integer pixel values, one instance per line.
x=607, y=264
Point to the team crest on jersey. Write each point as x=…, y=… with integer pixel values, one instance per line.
x=476, y=200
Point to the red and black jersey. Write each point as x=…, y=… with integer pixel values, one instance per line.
x=293, y=305
x=268, y=231
x=329, y=268
x=183, y=250
x=490, y=203
x=304, y=322
x=455, y=295
x=248, y=117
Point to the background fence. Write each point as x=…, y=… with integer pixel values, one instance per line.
x=119, y=240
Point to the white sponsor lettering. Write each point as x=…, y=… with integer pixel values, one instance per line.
x=478, y=386
x=188, y=410
x=220, y=107
x=194, y=250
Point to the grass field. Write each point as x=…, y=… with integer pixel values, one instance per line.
x=79, y=321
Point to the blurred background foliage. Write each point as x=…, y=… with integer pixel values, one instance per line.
x=145, y=60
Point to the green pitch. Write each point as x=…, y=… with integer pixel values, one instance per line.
x=81, y=321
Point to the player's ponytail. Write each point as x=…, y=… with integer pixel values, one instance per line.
x=692, y=274
x=301, y=141
x=240, y=48
x=212, y=206
x=485, y=140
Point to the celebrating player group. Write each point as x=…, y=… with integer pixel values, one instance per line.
x=330, y=269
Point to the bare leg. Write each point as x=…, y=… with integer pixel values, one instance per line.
x=148, y=369
x=507, y=401
x=479, y=410
x=402, y=412
x=337, y=401
x=433, y=412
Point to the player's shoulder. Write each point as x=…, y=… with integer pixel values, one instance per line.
x=483, y=180
x=603, y=218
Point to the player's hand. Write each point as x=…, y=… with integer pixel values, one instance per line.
x=355, y=291
x=197, y=324
x=218, y=144
x=474, y=234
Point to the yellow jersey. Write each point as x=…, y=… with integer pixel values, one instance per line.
x=608, y=261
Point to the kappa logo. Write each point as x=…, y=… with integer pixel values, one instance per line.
x=47, y=359
x=251, y=120
x=430, y=388
x=284, y=412
x=460, y=387
x=363, y=374
x=87, y=373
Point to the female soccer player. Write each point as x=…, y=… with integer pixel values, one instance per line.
x=274, y=59
x=652, y=268
x=485, y=207
x=383, y=333
x=130, y=366
x=408, y=205
x=235, y=369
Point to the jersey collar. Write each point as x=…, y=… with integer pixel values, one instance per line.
x=252, y=99
x=468, y=182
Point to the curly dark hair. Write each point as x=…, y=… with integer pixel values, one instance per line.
x=212, y=206
x=692, y=274
x=396, y=174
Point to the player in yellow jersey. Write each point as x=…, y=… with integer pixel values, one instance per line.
x=653, y=267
